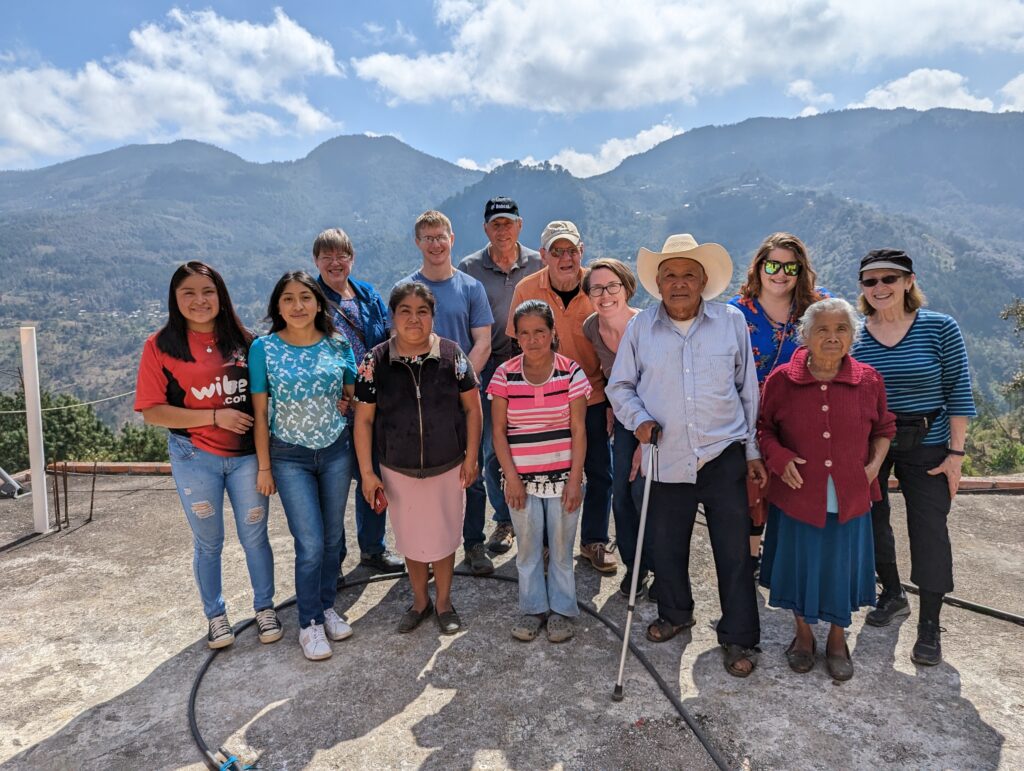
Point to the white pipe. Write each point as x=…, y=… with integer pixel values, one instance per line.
x=34, y=422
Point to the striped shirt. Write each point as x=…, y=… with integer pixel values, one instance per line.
x=538, y=421
x=925, y=371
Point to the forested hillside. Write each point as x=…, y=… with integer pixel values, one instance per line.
x=87, y=246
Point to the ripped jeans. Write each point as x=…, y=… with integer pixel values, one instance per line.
x=202, y=478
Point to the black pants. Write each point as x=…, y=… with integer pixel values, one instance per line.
x=672, y=508
x=927, y=499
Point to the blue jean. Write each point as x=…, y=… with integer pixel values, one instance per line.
x=597, y=466
x=487, y=486
x=313, y=485
x=625, y=505
x=202, y=479
x=557, y=591
x=370, y=525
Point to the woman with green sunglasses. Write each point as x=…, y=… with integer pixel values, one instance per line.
x=779, y=287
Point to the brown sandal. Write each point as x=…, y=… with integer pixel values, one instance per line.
x=662, y=630
x=734, y=654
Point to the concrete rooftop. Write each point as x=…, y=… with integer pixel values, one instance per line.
x=102, y=635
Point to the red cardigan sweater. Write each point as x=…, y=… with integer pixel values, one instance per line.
x=830, y=424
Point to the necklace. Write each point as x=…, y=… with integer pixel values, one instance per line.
x=209, y=346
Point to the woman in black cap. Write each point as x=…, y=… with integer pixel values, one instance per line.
x=921, y=356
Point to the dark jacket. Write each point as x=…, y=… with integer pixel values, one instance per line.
x=420, y=428
x=372, y=310
x=828, y=424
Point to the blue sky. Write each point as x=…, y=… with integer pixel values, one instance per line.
x=579, y=82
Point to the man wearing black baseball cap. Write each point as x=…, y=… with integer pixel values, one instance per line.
x=499, y=266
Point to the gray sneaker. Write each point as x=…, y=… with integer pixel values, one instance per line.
x=478, y=561
x=219, y=634
x=889, y=607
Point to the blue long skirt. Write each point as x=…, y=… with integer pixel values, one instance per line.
x=819, y=573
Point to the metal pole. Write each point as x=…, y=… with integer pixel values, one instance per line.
x=92, y=496
x=56, y=492
x=34, y=422
x=67, y=501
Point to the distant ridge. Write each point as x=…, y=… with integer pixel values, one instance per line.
x=97, y=236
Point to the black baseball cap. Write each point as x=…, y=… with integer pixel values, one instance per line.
x=887, y=258
x=501, y=206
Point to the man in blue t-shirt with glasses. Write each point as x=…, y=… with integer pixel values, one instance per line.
x=462, y=314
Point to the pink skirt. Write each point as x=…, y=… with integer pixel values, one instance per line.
x=426, y=514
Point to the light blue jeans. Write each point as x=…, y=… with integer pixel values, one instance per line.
x=557, y=591
x=202, y=478
x=313, y=485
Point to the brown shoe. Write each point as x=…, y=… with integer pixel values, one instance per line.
x=501, y=539
x=599, y=556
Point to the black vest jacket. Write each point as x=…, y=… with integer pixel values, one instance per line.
x=419, y=427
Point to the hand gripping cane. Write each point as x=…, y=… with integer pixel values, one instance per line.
x=651, y=461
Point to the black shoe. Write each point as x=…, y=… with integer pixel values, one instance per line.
x=385, y=562
x=651, y=593
x=928, y=648
x=641, y=584
x=501, y=539
x=479, y=563
x=889, y=607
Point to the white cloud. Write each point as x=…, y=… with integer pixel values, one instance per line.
x=377, y=34
x=579, y=55
x=609, y=155
x=806, y=92
x=1013, y=95
x=924, y=89
x=199, y=75
x=469, y=163
x=613, y=151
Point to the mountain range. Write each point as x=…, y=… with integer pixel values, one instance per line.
x=87, y=246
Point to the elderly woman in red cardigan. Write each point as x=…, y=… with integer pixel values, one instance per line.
x=824, y=431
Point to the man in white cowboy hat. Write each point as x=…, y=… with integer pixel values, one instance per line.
x=685, y=366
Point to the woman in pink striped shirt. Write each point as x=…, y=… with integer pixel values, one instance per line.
x=538, y=408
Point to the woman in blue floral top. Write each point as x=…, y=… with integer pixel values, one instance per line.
x=304, y=449
x=780, y=286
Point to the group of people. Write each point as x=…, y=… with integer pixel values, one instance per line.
x=528, y=379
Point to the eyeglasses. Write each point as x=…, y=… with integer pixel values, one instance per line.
x=329, y=258
x=598, y=289
x=771, y=267
x=441, y=239
x=570, y=251
x=870, y=282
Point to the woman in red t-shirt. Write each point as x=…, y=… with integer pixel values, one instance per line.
x=194, y=380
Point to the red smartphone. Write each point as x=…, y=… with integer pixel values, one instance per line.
x=380, y=501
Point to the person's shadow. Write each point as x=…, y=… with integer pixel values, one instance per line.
x=886, y=716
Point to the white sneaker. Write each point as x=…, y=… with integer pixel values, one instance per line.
x=337, y=627
x=314, y=643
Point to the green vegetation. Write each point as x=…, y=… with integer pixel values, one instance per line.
x=73, y=432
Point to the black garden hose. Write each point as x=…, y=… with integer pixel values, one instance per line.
x=223, y=760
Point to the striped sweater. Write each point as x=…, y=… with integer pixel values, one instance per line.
x=538, y=421
x=925, y=371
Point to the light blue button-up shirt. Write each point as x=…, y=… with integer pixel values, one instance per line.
x=700, y=387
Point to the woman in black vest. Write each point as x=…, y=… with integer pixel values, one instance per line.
x=418, y=401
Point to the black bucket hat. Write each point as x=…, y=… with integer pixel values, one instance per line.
x=887, y=258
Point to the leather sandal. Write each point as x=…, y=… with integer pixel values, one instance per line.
x=840, y=667
x=413, y=618
x=801, y=662
x=662, y=630
x=734, y=654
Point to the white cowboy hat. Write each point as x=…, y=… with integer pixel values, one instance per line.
x=713, y=258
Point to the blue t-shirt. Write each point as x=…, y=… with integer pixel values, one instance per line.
x=773, y=344
x=304, y=383
x=925, y=371
x=461, y=305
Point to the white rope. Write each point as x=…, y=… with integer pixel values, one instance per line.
x=71, y=406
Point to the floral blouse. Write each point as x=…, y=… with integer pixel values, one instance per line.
x=773, y=343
